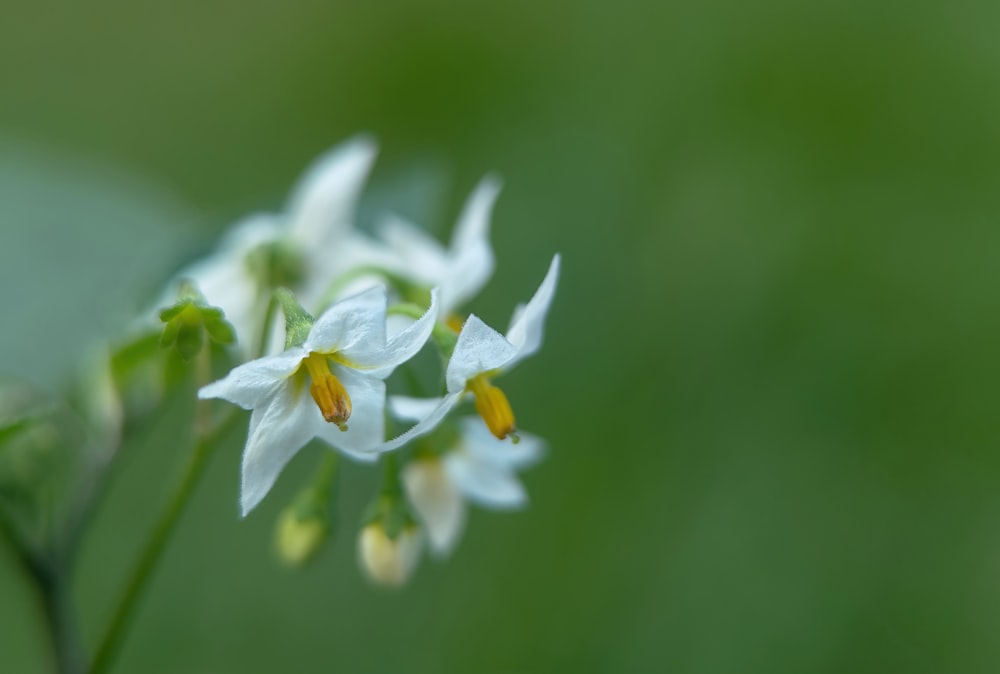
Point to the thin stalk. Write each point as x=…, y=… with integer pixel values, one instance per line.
x=206, y=439
x=153, y=548
x=51, y=580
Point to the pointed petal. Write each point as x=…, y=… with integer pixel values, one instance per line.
x=366, y=427
x=277, y=432
x=322, y=206
x=479, y=349
x=437, y=501
x=471, y=262
x=250, y=384
x=473, y=224
x=406, y=408
x=415, y=253
x=379, y=360
x=526, y=330
x=357, y=322
x=426, y=424
x=488, y=484
x=477, y=440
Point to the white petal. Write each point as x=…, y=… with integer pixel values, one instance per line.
x=488, y=484
x=366, y=427
x=249, y=384
x=425, y=425
x=437, y=501
x=474, y=223
x=417, y=255
x=526, y=330
x=278, y=431
x=406, y=408
x=356, y=322
x=471, y=262
x=379, y=360
x=477, y=439
x=322, y=206
x=479, y=349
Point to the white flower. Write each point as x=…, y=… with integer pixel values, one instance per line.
x=478, y=468
x=305, y=248
x=385, y=560
x=480, y=354
x=345, y=356
x=460, y=271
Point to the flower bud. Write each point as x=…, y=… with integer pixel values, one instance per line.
x=389, y=561
x=300, y=536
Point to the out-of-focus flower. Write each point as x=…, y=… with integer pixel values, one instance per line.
x=480, y=354
x=478, y=468
x=344, y=356
x=303, y=248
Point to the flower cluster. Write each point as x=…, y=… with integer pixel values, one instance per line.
x=357, y=307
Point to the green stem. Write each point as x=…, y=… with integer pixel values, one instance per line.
x=59, y=614
x=51, y=579
x=391, y=485
x=154, y=546
x=327, y=472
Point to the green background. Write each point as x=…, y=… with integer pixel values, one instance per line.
x=770, y=381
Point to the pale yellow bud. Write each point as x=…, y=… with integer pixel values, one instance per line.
x=386, y=561
x=299, y=540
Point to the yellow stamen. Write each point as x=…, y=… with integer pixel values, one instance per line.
x=330, y=395
x=493, y=407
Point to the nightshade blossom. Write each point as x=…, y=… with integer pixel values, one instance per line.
x=480, y=354
x=305, y=247
x=343, y=362
x=478, y=468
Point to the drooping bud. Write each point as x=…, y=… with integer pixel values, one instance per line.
x=389, y=561
x=306, y=525
x=390, y=541
x=300, y=535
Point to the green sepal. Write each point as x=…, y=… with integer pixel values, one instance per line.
x=392, y=512
x=390, y=508
x=276, y=264
x=187, y=321
x=298, y=321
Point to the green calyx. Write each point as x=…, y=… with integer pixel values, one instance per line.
x=188, y=321
x=276, y=264
x=298, y=321
x=390, y=508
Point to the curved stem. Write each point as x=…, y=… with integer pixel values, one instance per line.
x=153, y=549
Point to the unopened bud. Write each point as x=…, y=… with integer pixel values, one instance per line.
x=300, y=536
x=389, y=561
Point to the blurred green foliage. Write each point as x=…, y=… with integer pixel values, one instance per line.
x=770, y=381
